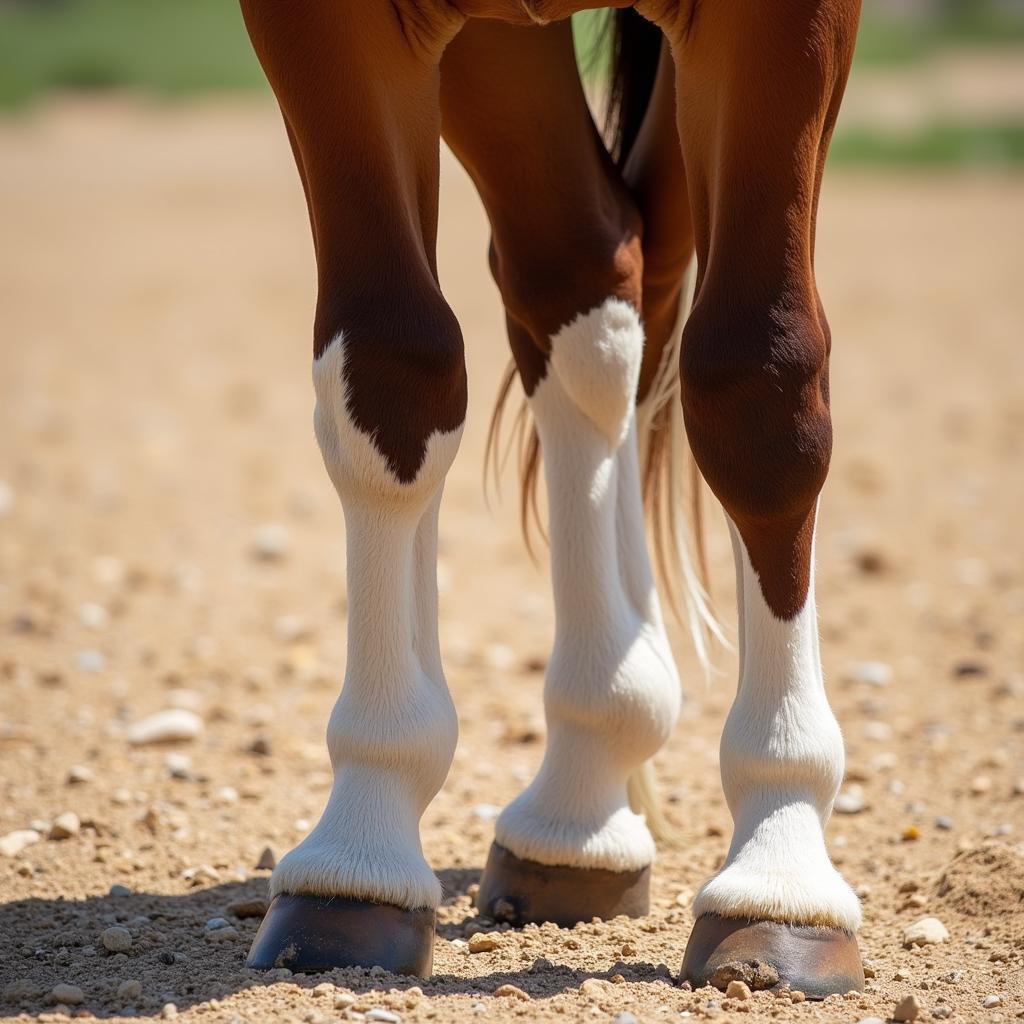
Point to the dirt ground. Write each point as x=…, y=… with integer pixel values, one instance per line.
x=168, y=538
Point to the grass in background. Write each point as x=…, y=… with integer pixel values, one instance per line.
x=168, y=47
x=175, y=48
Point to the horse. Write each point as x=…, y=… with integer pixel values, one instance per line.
x=721, y=116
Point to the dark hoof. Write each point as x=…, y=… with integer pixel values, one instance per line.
x=523, y=891
x=768, y=954
x=310, y=934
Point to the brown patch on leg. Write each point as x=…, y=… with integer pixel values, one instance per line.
x=524, y=891
x=311, y=934
x=817, y=961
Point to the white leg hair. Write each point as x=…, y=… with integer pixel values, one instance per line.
x=782, y=764
x=393, y=730
x=611, y=694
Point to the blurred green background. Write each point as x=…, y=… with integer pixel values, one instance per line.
x=937, y=82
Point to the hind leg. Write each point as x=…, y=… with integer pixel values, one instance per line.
x=389, y=380
x=566, y=256
x=762, y=85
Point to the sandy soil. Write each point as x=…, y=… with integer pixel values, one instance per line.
x=156, y=286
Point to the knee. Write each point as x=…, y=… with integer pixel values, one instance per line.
x=755, y=400
x=547, y=283
x=391, y=393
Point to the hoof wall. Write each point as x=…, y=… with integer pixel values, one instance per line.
x=310, y=934
x=523, y=891
x=769, y=954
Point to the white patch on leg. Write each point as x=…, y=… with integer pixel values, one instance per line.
x=782, y=764
x=393, y=730
x=611, y=694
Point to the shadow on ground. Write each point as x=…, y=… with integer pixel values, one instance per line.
x=49, y=942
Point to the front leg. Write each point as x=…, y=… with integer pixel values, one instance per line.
x=359, y=95
x=758, y=89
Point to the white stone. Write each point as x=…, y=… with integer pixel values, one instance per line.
x=129, y=990
x=117, y=939
x=14, y=842
x=992, y=1001
x=78, y=773
x=873, y=673
x=70, y=995
x=90, y=661
x=850, y=801
x=168, y=726
x=93, y=615
x=929, y=931
x=65, y=826
x=271, y=542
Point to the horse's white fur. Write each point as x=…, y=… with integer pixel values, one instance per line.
x=782, y=764
x=612, y=693
x=393, y=730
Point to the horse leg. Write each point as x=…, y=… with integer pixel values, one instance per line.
x=759, y=88
x=389, y=378
x=565, y=254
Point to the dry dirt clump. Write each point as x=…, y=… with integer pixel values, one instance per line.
x=986, y=882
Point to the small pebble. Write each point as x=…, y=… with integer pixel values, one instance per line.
x=873, y=673
x=93, y=616
x=70, y=995
x=65, y=826
x=78, y=774
x=980, y=784
x=168, y=1010
x=625, y=1017
x=168, y=726
x=14, y=842
x=992, y=1001
x=871, y=1020
x=850, y=801
x=944, y=823
x=267, y=861
x=256, y=907
x=227, y=934
x=119, y=890
x=383, y=1015
x=511, y=991
x=929, y=931
x=129, y=990
x=483, y=942
x=117, y=939
x=906, y=1010
x=271, y=542
x=90, y=661
x=737, y=990
x=942, y=1012
x=178, y=765
x=215, y=923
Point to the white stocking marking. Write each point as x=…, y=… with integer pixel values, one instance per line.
x=393, y=730
x=782, y=764
x=611, y=694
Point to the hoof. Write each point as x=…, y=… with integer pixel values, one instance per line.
x=523, y=891
x=310, y=934
x=769, y=954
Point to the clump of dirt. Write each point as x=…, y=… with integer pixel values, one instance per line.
x=987, y=881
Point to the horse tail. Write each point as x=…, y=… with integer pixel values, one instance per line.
x=635, y=48
x=669, y=474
